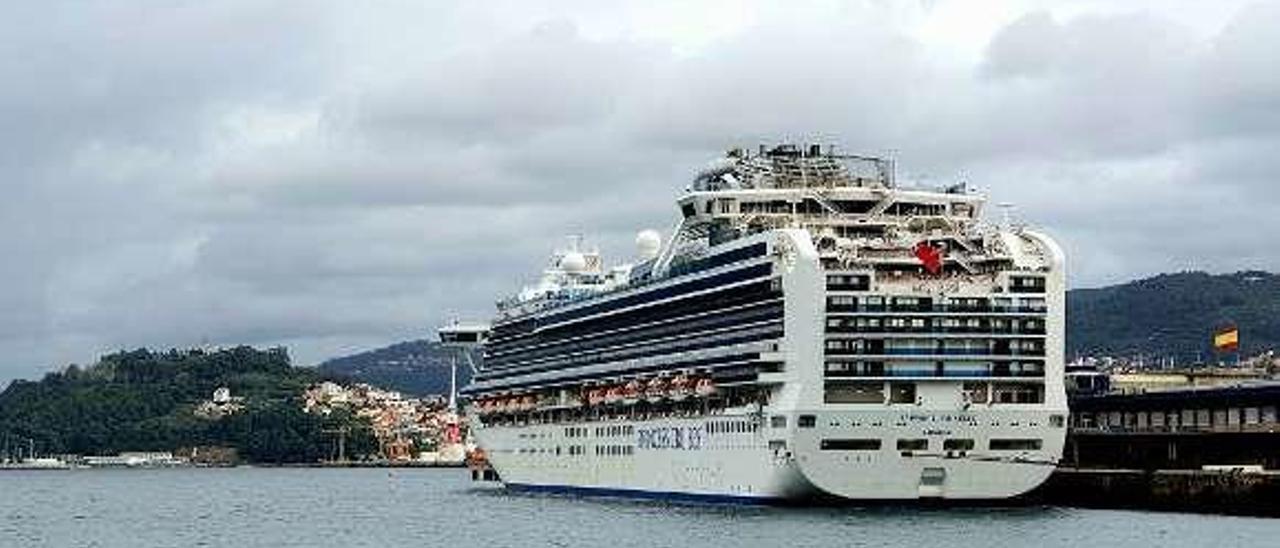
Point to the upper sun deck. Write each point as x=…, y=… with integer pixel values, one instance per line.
x=813, y=186
x=857, y=214
x=790, y=167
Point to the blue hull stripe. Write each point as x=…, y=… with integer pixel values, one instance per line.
x=671, y=496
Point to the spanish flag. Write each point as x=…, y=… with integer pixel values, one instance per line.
x=1227, y=339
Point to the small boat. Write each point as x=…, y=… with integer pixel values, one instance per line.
x=36, y=463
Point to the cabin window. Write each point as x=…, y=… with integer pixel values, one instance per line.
x=842, y=301
x=957, y=444
x=977, y=392
x=902, y=392
x=1017, y=444
x=1018, y=393
x=1026, y=284
x=807, y=421
x=778, y=421
x=853, y=392
x=1033, y=305
x=860, y=444
x=913, y=445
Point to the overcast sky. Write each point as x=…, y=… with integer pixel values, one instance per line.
x=338, y=176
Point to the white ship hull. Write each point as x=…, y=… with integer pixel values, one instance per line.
x=680, y=458
x=837, y=373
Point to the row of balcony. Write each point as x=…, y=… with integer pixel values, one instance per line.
x=978, y=330
x=928, y=352
x=944, y=374
x=935, y=309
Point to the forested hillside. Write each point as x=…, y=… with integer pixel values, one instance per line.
x=414, y=367
x=1174, y=315
x=145, y=401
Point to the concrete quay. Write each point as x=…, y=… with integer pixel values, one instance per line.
x=1243, y=492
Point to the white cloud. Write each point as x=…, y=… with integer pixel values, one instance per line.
x=330, y=175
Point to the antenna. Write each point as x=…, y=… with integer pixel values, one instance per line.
x=453, y=382
x=1006, y=214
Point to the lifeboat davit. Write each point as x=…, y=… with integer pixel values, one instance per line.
x=704, y=387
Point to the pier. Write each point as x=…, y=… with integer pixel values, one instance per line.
x=1237, y=491
x=1211, y=449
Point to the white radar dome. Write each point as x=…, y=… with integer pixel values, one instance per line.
x=573, y=262
x=648, y=242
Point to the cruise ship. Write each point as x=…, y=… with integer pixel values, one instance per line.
x=808, y=330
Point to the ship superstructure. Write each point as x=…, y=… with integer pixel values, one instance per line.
x=809, y=330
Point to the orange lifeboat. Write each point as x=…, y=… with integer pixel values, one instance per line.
x=679, y=388
x=631, y=392
x=656, y=390
x=528, y=403
x=595, y=396
x=704, y=387
x=613, y=395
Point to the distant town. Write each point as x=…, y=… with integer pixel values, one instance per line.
x=219, y=407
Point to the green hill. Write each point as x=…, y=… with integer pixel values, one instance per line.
x=418, y=367
x=1174, y=315
x=146, y=401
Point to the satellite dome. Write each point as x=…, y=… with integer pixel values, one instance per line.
x=573, y=262
x=648, y=242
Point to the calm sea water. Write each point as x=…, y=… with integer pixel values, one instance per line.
x=247, y=507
